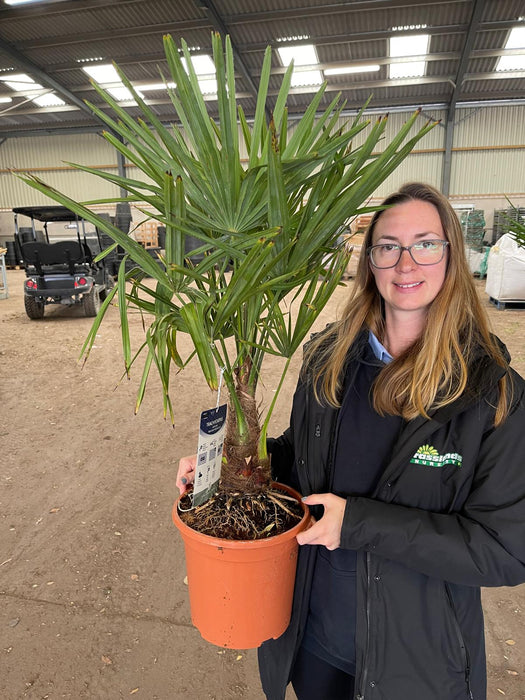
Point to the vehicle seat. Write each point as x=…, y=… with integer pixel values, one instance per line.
x=60, y=253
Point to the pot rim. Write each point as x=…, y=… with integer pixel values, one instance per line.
x=190, y=533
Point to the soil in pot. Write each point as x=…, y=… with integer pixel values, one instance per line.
x=237, y=516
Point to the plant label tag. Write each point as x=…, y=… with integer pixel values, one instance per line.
x=209, y=454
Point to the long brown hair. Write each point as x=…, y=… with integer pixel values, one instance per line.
x=433, y=371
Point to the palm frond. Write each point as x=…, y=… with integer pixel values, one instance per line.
x=266, y=200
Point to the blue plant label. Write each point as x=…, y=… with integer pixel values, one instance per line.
x=209, y=454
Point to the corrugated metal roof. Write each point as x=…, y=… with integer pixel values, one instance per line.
x=52, y=37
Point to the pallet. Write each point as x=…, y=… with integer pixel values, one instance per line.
x=362, y=222
x=146, y=234
x=502, y=305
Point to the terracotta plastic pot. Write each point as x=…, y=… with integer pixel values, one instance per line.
x=241, y=591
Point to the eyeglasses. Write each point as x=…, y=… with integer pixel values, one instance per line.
x=388, y=255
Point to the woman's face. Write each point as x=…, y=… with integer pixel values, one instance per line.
x=409, y=288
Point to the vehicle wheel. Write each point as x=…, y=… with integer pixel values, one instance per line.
x=91, y=302
x=34, y=308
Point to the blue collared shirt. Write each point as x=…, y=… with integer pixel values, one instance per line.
x=379, y=349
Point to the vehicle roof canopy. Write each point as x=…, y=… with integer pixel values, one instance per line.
x=47, y=213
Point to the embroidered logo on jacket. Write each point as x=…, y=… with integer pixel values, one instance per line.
x=428, y=456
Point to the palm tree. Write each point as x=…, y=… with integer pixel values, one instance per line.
x=269, y=228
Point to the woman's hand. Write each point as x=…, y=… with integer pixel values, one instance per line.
x=186, y=473
x=326, y=530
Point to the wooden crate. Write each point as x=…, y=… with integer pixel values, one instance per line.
x=146, y=234
x=362, y=222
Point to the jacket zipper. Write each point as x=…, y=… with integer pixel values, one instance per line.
x=364, y=676
x=463, y=646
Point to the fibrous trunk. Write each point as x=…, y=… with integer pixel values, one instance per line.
x=243, y=469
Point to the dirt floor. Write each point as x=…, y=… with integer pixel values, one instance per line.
x=94, y=603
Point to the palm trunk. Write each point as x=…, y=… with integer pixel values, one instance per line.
x=244, y=470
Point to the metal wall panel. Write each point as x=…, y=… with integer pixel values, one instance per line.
x=418, y=167
x=52, y=151
x=481, y=164
x=47, y=158
x=396, y=120
x=490, y=126
x=487, y=158
x=487, y=172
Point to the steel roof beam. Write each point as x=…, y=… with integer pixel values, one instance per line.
x=42, y=77
x=218, y=22
x=475, y=20
x=177, y=28
x=276, y=70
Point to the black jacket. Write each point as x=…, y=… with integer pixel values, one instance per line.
x=447, y=516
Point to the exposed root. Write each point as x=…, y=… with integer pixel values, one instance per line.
x=237, y=516
x=279, y=503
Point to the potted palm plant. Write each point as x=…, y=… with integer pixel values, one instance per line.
x=270, y=256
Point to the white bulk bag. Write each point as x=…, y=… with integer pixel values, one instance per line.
x=506, y=270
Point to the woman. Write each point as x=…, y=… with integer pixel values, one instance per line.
x=407, y=432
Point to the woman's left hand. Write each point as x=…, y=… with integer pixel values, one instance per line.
x=327, y=530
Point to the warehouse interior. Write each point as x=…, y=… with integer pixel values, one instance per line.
x=90, y=571
x=465, y=69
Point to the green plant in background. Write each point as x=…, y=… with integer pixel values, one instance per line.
x=269, y=228
x=515, y=226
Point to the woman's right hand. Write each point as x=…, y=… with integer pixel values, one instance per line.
x=186, y=473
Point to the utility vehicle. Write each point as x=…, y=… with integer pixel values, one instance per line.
x=60, y=264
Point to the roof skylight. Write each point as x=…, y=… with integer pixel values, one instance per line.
x=515, y=40
x=408, y=45
x=105, y=74
x=20, y=82
x=345, y=70
x=23, y=83
x=208, y=86
x=21, y=2
x=204, y=66
x=49, y=100
x=302, y=55
x=153, y=87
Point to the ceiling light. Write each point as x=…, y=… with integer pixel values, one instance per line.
x=406, y=27
x=89, y=60
x=5, y=100
x=408, y=45
x=515, y=40
x=287, y=39
x=344, y=70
